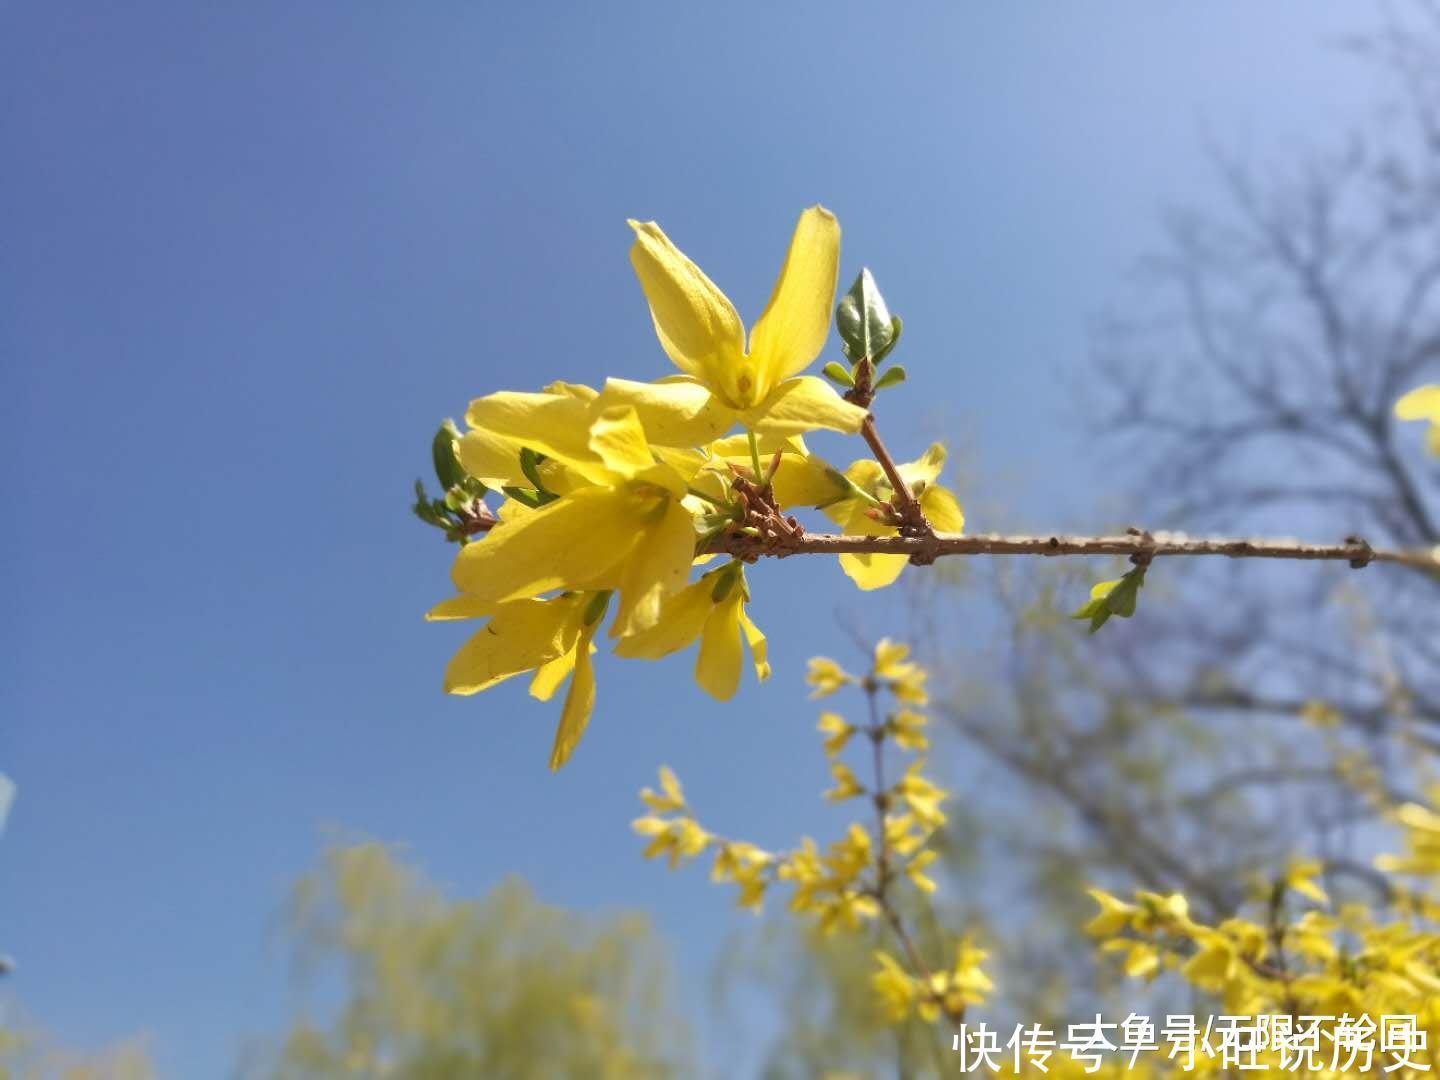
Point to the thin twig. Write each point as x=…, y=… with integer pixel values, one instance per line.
x=1353, y=550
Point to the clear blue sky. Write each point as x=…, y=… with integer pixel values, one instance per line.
x=251, y=253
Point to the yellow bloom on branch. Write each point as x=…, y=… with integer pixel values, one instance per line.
x=836, y=731
x=824, y=677
x=754, y=383
x=670, y=797
x=846, y=785
x=860, y=516
x=713, y=610
x=628, y=530
x=552, y=638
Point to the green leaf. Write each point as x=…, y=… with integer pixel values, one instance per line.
x=893, y=377
x=431, y=511
x=896, y=326
x=530, y=466
x=532, y=499
x=864, y=322
x=442, y=452
x=838, y=373
x=1116, y=597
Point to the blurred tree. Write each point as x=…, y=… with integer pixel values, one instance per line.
x=26, y=1053
x=504, y=987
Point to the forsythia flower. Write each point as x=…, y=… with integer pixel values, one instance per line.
x=713, y=610
x=825, y=677
x=836, y=730
x=853, y=514
x=846, y=786
x=915, y=871
x=907, y=728
x=670, y=797
x=921, y=796
x=550, y=637
x=894, y=667
x=1423, y=403
x=627, y=529
x=677, y=838
x=701, y=333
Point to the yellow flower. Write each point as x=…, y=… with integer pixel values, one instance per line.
x=745, y=865
x=1423, y=403
x=836, y=730
x=712, y=609
x=907, y=728
x=825, y=677
x=676, y=838
x=670, y=796
x=1114, y=916
x=846, y=786
x=701, y=333
x=921, y=796
x=895, y=988
x=892, y=660
x=552, y=637
x=904, y=834
x=626, y=530
x=915, y=871
x=852, y=514
x=1300, y=876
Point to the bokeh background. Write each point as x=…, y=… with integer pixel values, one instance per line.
x=252, y=254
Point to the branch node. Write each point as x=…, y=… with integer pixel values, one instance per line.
x=1363, y=552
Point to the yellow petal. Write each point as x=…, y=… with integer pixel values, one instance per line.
x=522, y=635
x=927, y=468
x=695, y=322
x=673, y=412
x=796, y=322
x=579, y=702
x=759, y=651
x=659, y=567
x=618, y=440
x=460, y=607
x=682, y=617
x=579, y=541
x=550, y=675
x=807, y=481
x=490, y=459
x=804, y=404
x=557, y=425
x=873, y=571
x=1422, y=403
x=942, y=510
x=717, y=668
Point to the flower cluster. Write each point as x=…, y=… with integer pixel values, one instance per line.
x=853, y=879
x=1300, y=954
x=611, y=496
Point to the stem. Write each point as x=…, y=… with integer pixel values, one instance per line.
x=708, y=498
x=755, y=456
x=1139, y=545
x=909, y=507
x=881, y=796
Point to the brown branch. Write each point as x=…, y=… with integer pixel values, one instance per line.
x=1137, y=544
x=907, y=507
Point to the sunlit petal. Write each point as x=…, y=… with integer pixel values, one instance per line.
x=796, y=322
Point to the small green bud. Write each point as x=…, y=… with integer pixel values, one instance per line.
x=442, y=451
x=838, y=374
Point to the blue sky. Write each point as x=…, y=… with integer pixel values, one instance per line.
x=252, y=253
